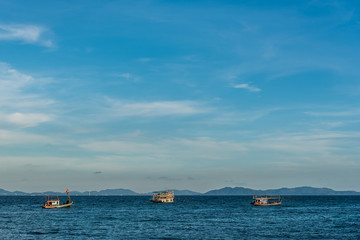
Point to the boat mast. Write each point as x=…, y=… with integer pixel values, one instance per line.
x=67, y=191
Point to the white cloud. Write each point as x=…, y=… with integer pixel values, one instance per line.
x=18, y=108
x=32, y=34
x=26, y=119
x=12, y=84
x=12, y=80
x=247, y=87
x=161, y=108
x=16, y=138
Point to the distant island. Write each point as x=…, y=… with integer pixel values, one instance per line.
x=226, y=191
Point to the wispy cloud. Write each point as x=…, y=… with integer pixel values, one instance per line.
x=26, y=119
x=160, y=108
x=12, y=80
x=311, y=146
x=16, y=138
x=128, y=77
x=235, y=117
x=30, y=34
x=12, y=85
x=349, y=113
x=18, y=108
x=177, y=149
x=247, y=87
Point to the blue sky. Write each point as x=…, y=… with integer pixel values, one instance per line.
x=197, y=95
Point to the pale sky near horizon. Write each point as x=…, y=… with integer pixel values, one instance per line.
x=198, y=95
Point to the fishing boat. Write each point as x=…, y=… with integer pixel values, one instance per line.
x=266, y=200
x=54, y=202
x=163, y=197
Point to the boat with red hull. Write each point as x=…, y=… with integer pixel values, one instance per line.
x=54, y=202
x=266, y=200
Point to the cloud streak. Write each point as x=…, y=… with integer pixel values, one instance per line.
x=26, y=119
x=247, y=87
x=350, y=113
x=29, y=34
x=153, y=109
x=326, y=147
x=8, y=138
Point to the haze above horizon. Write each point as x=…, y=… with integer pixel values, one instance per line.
x=187, y=94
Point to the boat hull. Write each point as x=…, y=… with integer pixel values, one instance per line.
x=161, y=201
x=267, y=204
x=162, y=197
x=58, y=206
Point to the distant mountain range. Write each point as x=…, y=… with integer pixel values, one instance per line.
x=227, y=191
x=280, y=191
x=107, y=192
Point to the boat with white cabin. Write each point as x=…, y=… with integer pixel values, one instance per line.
x=54, y=202
x=163, y=197
x=266, y=200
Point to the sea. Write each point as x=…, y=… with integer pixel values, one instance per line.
x=189, y=217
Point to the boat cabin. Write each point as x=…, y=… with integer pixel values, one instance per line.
x=52, y=202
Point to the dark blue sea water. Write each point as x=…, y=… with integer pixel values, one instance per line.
x=189, y=217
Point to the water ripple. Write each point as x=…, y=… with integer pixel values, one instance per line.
x=199, y=217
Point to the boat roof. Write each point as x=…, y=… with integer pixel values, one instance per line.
x=266, y=196
x=163, y=192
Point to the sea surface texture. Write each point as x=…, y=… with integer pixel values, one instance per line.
x=189, y=217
